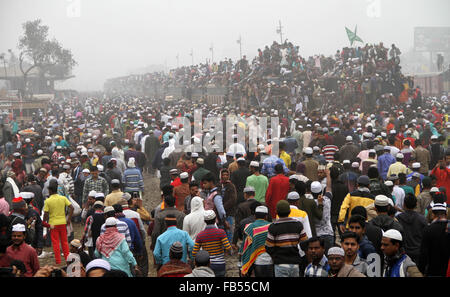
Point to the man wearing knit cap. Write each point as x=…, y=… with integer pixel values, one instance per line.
x=19, y=250
x=175, y=267
x=398, y=263
x=338, y=268
x=283, y=238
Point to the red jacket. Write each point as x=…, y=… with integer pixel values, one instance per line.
x=277, y=190
x=442, y=179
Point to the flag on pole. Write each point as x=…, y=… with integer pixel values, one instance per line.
x=352, y=37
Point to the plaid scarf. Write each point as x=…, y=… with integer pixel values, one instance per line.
x=109, y=241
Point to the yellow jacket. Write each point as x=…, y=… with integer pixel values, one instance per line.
x=353, y=199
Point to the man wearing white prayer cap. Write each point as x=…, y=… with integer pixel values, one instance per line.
x=398, y=263
x=19, y=250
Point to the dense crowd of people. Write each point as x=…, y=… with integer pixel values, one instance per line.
x=278, y=74
x=328, y=191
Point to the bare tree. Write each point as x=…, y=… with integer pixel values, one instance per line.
x=37, y=51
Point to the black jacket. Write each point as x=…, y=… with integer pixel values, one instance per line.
x=339, y=191
x=435, y=250
x=413, y=226
x=385, y=222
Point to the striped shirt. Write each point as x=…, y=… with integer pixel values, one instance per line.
x=328, y=152
x=319, y=270
x=214, y=241
x=133, y=181
x=283, y=238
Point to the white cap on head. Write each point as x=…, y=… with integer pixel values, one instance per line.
x=261, y=209
x=209, y=215
x=393, y=234
x=293, y=196
x=381, y=200
x=349, y=138
x=92, y=193
x=18, y=228
x=184, y=175
x=416, y=165
x=254, y=164
x=434, y=190
x=111, y=221
x=337, y=251
x=346, y=162
x=249, y=189
x=399, y=156
x=355, y=164
x=86, y=170
x=316, y=187
x=438, y=206
x=308, y=151
x=388, y=183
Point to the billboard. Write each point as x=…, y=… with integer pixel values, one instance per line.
x=432, y=39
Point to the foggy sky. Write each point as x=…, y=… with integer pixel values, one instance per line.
x=110, y=38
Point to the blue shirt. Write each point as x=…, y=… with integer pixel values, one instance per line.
x=269, y=163
x=384, y=161
x=165, y=241
x=120, y=259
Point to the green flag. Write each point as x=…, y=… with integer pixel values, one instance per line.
x=352, y=37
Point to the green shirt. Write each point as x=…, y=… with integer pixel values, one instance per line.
x=260, y=183
x=407, y=190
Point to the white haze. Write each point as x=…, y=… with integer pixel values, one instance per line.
x=116, y=37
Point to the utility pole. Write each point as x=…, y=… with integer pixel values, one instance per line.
x=192, y=55
x=240, y=46
x=178, y=60
x=212, y=53
x=280, y=31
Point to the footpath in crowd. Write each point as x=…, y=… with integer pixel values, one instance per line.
x=351, y=184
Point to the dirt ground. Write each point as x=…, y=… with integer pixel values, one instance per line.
x=152, y=198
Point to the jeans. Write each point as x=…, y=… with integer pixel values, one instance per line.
x=59, y=235
x=219, y=269
x=287, y=270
